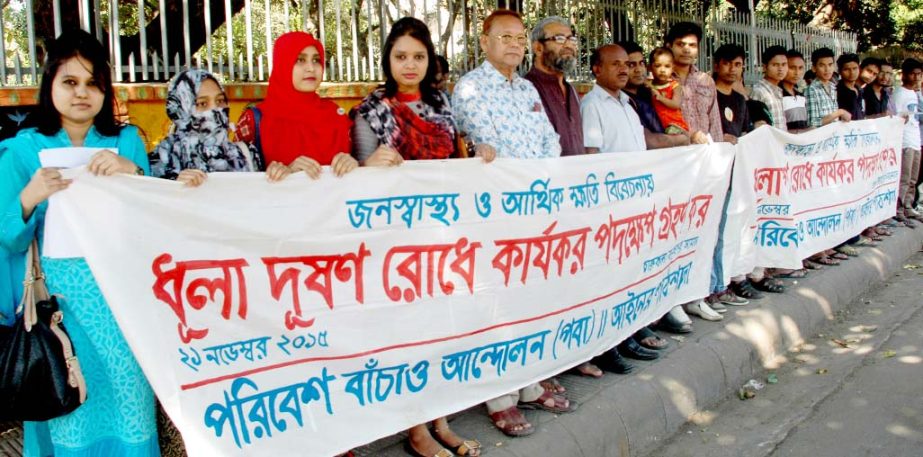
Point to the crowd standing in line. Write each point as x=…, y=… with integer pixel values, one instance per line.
x=635, y=104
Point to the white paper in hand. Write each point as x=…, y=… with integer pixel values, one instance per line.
x=58, y=241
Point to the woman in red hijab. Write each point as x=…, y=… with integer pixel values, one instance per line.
x=294, y=128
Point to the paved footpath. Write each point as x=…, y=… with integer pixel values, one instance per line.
x=854, y=389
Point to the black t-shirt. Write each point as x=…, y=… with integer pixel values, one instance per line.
x=641, y=101
x=850, y=100
x=874, y=105
x=735, y=118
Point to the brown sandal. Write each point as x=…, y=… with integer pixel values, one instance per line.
x=507, y=421
x=553, y=385
x=560, y=403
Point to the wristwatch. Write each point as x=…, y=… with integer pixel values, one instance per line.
x=139, y=171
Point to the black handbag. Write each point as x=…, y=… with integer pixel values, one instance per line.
x=40, y=375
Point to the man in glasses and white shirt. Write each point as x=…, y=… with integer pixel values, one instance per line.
x=497, y=108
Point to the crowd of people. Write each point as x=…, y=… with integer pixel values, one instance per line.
x=639, y=101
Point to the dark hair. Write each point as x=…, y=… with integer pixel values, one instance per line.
x=870, y=61
x=910, y=65
x=443, y=64
x=630, y=47
x=657, y=52
x=773, y=52
x=845, y=59
x=68, y=45
x=417, y=30
x=793, y=53
x=502, y=12
x=728, y=52
x=681, y=29
x=809, y=75
x=885, y=63
x=821, y=53
x=596, y=55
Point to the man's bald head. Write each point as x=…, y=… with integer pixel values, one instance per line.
x=610, y=65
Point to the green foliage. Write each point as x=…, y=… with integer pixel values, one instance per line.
x=871, y=20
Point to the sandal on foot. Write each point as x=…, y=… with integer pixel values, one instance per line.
x=647, y=338
x=745, y=289
x=507, y=421
x=768, y=285
x=464, y=449
x=794, y=274
x=883, y=231
x=811, y=265
x=410, y=450
x=560, y=404
x=827, y=261
x=552, y=385
x=848, y=250
x=589, y=370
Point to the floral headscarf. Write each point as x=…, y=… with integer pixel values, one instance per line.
x=198, y=140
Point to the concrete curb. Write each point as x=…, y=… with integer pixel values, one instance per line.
x=632, y=415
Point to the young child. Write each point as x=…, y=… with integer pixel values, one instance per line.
x=667, y=92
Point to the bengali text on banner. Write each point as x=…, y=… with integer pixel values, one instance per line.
x=794, y=195
x=308, y=317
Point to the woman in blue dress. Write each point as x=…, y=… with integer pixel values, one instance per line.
x=76, y=103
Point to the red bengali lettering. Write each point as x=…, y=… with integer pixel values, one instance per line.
x=199, y=291
x=321, y=271
x=426, y=265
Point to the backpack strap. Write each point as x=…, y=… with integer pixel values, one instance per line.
x=257, y=118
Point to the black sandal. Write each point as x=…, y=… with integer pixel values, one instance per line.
x=745, y=289
x=769, y=285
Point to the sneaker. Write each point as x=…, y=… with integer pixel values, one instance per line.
x=910, y=212
x=717, y=306
x=701, y=309
x=731, y=299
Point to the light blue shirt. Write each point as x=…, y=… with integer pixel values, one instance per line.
x=507, y=115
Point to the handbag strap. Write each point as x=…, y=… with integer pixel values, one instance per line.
x=34, y=288
x=74, y=373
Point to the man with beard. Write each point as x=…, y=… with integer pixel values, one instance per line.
x=555, y=48
x=495, y=106
x=877, y=94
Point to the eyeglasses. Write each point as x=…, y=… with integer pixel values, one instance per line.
x=561, y=39
x=521, y=39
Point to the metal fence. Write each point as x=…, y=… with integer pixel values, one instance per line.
x=151, y=40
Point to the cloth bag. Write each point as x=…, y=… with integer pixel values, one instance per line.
x=40, y=375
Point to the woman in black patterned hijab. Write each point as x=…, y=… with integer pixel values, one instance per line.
x=199, y=143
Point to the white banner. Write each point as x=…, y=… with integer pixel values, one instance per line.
x=309, y=317
x=796, y=195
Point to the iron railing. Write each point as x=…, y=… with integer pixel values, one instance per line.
x=151, y=40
